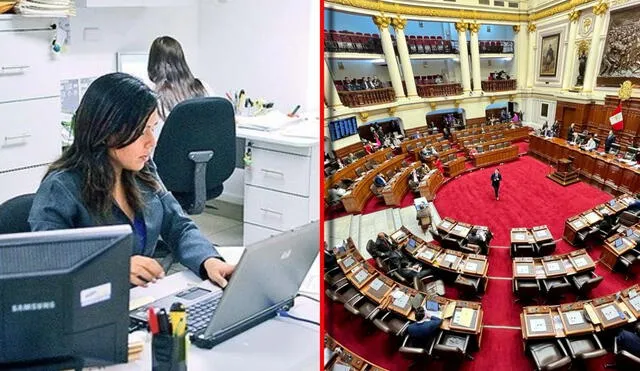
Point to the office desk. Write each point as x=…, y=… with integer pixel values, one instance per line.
x=611, y=251
x=276, y=344
x=579, y=223
x=552, y=266
x=349, y=171
x=282, y=185
x=495, y=156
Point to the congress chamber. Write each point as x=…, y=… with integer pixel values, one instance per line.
x=482, y=184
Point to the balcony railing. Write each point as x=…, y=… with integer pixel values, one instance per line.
x=352, y=42
x=439, y=90
x=367, y=97
x=499, y=85
x=427, y=45
x=493, y=46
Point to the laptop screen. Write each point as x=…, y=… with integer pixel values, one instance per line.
x=619, y=242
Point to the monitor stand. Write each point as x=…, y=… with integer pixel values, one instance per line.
x=56, y=364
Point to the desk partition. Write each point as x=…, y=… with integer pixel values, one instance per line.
x=430, y=184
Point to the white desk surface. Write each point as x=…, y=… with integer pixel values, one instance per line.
x=304, y=133
x=276, y=344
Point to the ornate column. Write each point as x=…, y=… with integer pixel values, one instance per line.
x=520, y=42
x=389, y=54
x=407, y=71
x=464, y=55
x=570, y=59
x=532, y=54
x=331, y=97
x=600, y=11
x=475, y=57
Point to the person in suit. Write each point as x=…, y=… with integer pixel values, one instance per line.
x=545, y=128
x=611, y=138
x=571, y=131
x=424, y=328
x=414, y=181
x=345, y=83
x=591, y=144
x=629, y=341
x=496, y=178
x=107, y=177
x=379, y=180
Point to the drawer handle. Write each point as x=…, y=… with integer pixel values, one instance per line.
x=276, y=172
x=23, y=136
x=11, y=68
x=271, y=211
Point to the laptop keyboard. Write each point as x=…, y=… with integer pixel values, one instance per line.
x=199, y=314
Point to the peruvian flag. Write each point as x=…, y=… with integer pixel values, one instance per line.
x=616, y=118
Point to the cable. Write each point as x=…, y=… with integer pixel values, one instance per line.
x=308, y=297
x=284, y=313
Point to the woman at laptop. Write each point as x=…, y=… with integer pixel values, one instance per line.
x=107, y=177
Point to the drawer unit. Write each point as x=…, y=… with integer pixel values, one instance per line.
x=275, y=210
x=28, y=69
x=19, y=182
x=280, y=171
x=29, y=133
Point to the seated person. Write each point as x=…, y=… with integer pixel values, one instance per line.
x=336, y=193
x=424, y=328
x=383, y=246
x=379, y=181
x=591, y=144
x=368, y=148
x=635, y=204
x=414, y=182
x=473, y=152
x=405, y=267
x=571, y=132
x=629, y=341
x=422, y=171
x=478, y=238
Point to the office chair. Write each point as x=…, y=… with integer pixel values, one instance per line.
x=546, y=248
x=415, y=348
x=585, y=347
x=549, y=355
x=429, y=284
x=555, y=288
x=392, y=324
x=469, y=286
x=585, y=282
x=362, y=306
x=196, y=151
x=14, y=214
x=526, y=290
x=451, y=347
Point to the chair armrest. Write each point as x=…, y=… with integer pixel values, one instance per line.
x=572, y=354
x=630, y=356
x=564, y=351
x=373, y=313
x=403, y=329
x=331, y=270
x=597, y=340
x=559, y=363
x=340, y=287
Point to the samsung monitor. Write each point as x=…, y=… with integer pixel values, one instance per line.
x=629, y=232
x=411, y=243
x=65, y=297
x=618, y=242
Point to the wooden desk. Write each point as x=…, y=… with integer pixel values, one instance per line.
x=397, y=187
x=566, y=265
x=614, y=247
x=430, y=183
x=349, y=171
x=537, y=324
x=361, y=275
x=461, y=230
x=541, y=234
x=574, y=320
x=348, y=358
x=604, y=171
x=631, y=298
x=378, y=288
x=496, y=156
x=572, y=226
x=359, y=192
x=446, y=225
x=454, y=168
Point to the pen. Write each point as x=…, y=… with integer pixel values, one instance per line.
x=153, y=321
x=294, y=111
x=163, y=321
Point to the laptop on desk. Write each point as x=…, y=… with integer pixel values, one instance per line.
x=266, y=280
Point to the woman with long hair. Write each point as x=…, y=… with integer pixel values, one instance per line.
x=107, y=177
x=168, y=70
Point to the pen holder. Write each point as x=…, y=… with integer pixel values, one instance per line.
x=169, y=353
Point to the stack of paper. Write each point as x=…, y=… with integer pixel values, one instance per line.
x=46, y=8
x=270, y=121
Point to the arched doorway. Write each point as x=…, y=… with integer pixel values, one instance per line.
x=455, y=117
x=390, y=125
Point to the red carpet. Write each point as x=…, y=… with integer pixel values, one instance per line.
x=527, y=198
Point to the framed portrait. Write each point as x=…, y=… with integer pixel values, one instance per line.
x=549, y=55
x=620, y=55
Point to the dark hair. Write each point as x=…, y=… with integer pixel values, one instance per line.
x=112, y=114
x=419, y=313
x=168, y=69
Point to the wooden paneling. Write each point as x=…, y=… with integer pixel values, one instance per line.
x=568, y=112
x=476, y=121
x=352, y=148
x=630, y=134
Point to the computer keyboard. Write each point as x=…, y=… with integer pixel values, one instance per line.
x=199, y=314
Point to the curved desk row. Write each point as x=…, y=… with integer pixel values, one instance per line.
x=590, y=316
x=458, y=316
x=578, y=224
x=458, y=135
x=339, y=355
x=398, y=186
x=531, y=241
x=606, y=171
x=618, y=245
x=359, y=192
x=433, y=138
x=553, y=266
x=430, y=184
x=349, y=171
x=495, y=156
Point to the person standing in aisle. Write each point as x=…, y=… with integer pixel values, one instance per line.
x=496, y=178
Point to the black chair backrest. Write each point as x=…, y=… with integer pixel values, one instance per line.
x=14, y=214
x=198, y=124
